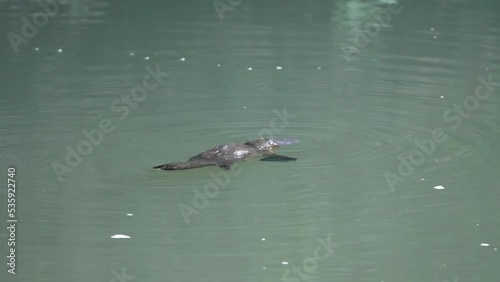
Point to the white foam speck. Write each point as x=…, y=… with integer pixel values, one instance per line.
x=442, y=97
x=439, y=187
x=120, y=236
x=36, y=48
x=59, y=50
x=279, y=67
x=422, y=178
x=218, y=65
x=319, y=68
x=485, y=244
x=284, y=262
x=131, y=54
x=263, y=239
x=182, y=59
x=249, y=68
x=130, y=214
x=264, y=267
x=146, y=58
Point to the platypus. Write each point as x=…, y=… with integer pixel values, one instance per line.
x=227, y=154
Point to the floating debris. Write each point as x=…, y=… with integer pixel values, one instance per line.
x=120, y=236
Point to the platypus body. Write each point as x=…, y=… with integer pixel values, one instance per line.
x=225, y=155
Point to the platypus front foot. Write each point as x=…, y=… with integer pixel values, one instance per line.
x=225, y=167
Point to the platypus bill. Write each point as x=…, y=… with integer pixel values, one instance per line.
x=225, y=155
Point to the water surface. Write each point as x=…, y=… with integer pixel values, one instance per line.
x=359, y=102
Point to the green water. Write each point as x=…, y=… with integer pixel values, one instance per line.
x=391, y=104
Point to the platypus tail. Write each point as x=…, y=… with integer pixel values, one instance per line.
x=181, y=165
